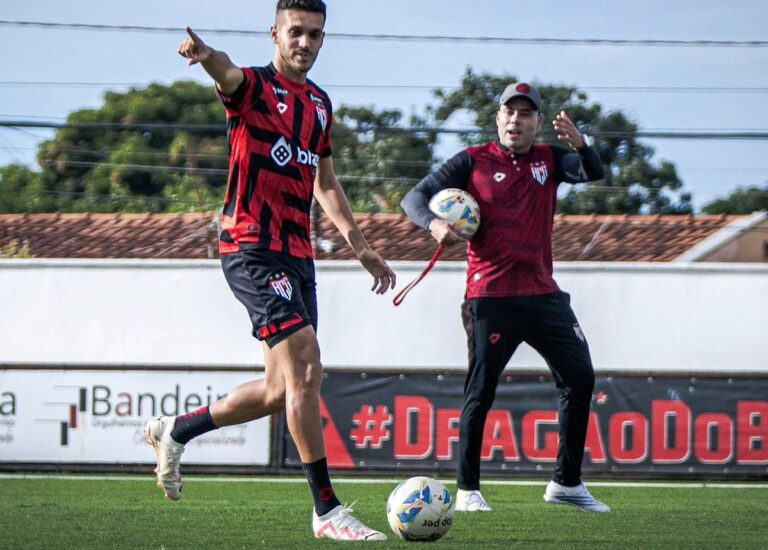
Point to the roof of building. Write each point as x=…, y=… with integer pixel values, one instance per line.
x=193, y=236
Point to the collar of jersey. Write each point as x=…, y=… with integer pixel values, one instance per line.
x=285, y=81
x=507, y=152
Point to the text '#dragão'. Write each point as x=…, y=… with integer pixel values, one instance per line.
x=671, y=434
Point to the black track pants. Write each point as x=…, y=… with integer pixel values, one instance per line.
x=495, y=327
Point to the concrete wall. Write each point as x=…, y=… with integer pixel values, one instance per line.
x=637, y=317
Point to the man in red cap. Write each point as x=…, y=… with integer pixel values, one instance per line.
x=511, y=296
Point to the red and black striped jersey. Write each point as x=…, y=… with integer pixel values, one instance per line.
x=278, y=130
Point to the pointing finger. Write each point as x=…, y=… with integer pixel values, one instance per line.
x=193, y=36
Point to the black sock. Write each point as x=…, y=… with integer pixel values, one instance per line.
x=320, y=485
x=191, y=425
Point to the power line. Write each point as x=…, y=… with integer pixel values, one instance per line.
x=405, y=37
x=341, y=177
x=219, y=129
x=417, y=87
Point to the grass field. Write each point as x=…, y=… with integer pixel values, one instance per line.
x=129, y=512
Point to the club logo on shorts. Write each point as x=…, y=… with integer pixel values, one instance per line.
x=579, y=332
x=281, y=152
x=281, y=285
x=539, y=172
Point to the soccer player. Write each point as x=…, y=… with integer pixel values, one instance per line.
x=511, y=296
x=279, y=125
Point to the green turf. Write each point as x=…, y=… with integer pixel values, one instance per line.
x=65, y=514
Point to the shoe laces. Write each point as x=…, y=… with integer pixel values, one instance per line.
x=345, y=520
x=475, y=497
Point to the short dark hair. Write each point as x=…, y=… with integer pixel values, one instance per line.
x=316, y=6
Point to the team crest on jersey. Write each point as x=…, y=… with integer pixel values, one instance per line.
x=539, y=172
x=282, y=107
x=281, y=285
x=281, y=152
x=499, y=177
x=322, y=116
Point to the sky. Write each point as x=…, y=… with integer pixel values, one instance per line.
x=47, y=73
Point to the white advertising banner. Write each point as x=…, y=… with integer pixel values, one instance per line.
x=98, y=416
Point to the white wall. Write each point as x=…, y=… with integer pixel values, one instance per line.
x=684, y=317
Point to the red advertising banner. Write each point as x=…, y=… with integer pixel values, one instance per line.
x=640, y=425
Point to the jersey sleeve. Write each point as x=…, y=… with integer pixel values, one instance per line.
x=325, y=147
x=454, y=172
x=249, y=87
x=579, y=166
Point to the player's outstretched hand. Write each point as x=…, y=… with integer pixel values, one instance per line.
x=194, y=49
x=383, y=277
x=567, y=131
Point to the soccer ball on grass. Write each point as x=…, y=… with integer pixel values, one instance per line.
x=420, y=509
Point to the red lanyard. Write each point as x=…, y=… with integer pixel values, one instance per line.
x=398, y=299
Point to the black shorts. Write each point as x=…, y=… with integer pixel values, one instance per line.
x=278, y=291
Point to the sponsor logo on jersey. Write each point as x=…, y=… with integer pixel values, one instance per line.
x=499, y=176
x=579, y=332
x=307, y=158
x=539, y=172
x=318, y=100
x=282, y=107
x=322, y=117
x=282, y=153
x=279, y=91
x=281, y=285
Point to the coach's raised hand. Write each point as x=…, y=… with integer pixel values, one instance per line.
x=194, y=49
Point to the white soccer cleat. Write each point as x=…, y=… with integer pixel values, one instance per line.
x=471, y=501
x=340, y=524
x=578, y=497
x=158, y=432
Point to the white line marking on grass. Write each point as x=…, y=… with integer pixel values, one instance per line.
x=362, y=480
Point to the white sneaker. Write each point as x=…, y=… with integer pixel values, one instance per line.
x=158, y=432
x=578, y=497
x=339, y=524
x=471, y=501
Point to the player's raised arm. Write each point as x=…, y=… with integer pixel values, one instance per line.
x=583, y=163
x=217, y=64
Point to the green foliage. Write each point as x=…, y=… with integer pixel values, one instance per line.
x=22, y=190
x=377, y=163
x=741, y=201
x=140, y=171
x=633, y=183
x=377, y=160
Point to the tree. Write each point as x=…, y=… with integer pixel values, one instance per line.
x=633, y=184
x=130, y=170
x=741, y=201
x=379, y=154
x=377, y=162
x=21, y=190
x=167, y=170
